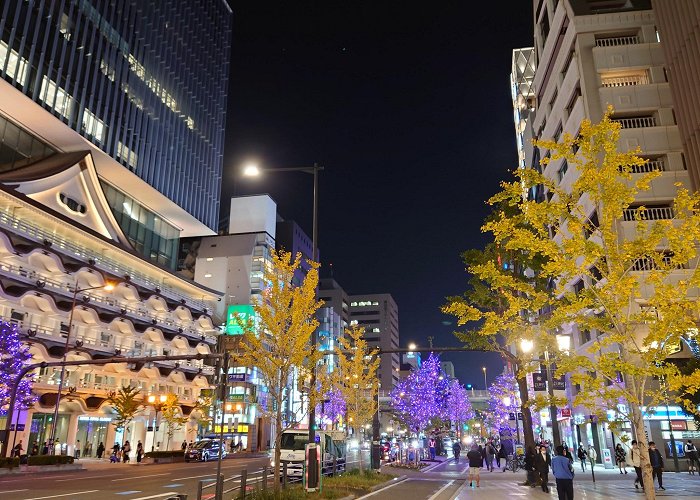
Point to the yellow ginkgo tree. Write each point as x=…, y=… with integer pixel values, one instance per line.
x=356, y=378
x=279, y=341
x=621, y=271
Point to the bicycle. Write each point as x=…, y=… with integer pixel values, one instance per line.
x=515, y=463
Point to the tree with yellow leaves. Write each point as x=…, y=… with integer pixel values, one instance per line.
x=173, y=417
x=625, y=273
x=356, y=378
x=279, y=340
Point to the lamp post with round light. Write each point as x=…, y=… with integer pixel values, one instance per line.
x=108, y=287
x=157, y=401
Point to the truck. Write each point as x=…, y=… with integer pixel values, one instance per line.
x=293, y=448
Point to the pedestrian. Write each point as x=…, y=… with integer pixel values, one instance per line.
x=184, y=445
x=657, y=464
x=567, y=453
x=490, y=452
x=592, y=456
x=456, y=450
x=530, y=466
x=45, y=448
x=482, y=451
x=100, y=450
x=635, y=460
x=115, y=453
x=431, y=447
x=126, y=449
x=139, y=452
x=582, y=456
x=621, y=458
x=475, y=459
x=563, y=472
x=76, y=451
x=17, y=450
x=35, y=450
x=542, y=463
x=502, y=455
x=691, y=453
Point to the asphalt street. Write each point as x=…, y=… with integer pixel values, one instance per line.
x=126, y=481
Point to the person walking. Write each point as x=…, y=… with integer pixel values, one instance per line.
x=431, y=447
x=184, y=445
x=582, y=456
x=45, y=448
x=475, y=460
x=126, y=449
x=592, y=456
x=636, y=462
x=542, y=463
x=100, y=449
x=691, y=453
x=502, y=455
x=567, y=453
x=490, y=452
x=139, y=452
x=621, y=458
x=657, y=464
x=456, y=450
x=563, y=472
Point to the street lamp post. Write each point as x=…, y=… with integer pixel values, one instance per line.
x=486, y=387
x=52, y=438
x=157, y=402
x=252, y=171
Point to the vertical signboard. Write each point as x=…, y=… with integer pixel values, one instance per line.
x=235, y=315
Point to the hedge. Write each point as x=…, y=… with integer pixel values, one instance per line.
x=165, y=454
x=50, y=460
x=9, y=463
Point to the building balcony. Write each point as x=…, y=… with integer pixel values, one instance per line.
x=639, y=55
x=616, y=41
x=634, y=96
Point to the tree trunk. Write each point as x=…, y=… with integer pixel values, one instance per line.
x=528, y=434
x=278, y=447
x=647, y=478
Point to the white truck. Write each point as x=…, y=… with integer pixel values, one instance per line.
x=293, y=445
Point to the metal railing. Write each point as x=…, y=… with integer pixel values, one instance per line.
x=651, y=213
x=640, y=122
x=616, y=41
x=39, y=235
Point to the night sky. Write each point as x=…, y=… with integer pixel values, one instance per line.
x=407, y=105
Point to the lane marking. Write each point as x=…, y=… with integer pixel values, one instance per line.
x=435, y=495
x=64, y=494
x=80, y=477
x=174, y=485
x=11, y=491
x=130, y=492
x=398, y=481
x=142, y=477
x=192, y=477
x=154, y=496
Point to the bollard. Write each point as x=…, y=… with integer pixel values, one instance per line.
x=264, y=478
x=199, y=490
x=335, y=466
x=284, y=475
x=244, y=480
x=219, y=494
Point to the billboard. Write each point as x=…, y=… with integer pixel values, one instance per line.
x=242, y=311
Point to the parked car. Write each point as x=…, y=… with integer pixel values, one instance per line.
x=207, y=449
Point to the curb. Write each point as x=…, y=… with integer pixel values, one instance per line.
x=41, y=469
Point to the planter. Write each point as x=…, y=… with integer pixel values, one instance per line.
x=164, y=460
x=37, y=469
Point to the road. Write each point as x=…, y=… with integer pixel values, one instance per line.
x=125, y=481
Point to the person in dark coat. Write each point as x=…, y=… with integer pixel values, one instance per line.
x=542, y=463
x=530, y=456
x=100, y=449
x=657, y=464
x=502, y=454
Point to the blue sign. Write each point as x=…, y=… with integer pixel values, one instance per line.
x=236, y=377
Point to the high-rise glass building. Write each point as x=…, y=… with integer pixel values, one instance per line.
x=142, y=86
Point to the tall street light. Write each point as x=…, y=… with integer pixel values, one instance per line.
x=254, y=171
x=483, y=369
x=108, y=287
x=157, y=403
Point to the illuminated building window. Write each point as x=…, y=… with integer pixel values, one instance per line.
x=127, y=155
x=16, y=65
x=93, y=126
x=56, y=97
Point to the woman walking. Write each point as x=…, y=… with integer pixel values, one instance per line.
x=621, y=458
x=637, y=464
x=139, y=452
x=582, y=456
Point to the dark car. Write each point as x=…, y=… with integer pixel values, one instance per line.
x=207, y=449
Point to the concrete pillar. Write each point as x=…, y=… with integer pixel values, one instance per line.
x=72, y=433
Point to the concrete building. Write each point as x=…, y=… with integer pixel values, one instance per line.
x=118, y=80
x=590, y=54
x=379, y=315
x=679, y=29
x=448, y=368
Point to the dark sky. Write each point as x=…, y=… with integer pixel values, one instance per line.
x=407, y=105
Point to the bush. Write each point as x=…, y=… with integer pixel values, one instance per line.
x=8, y=463
x=165, y=454
x=50, y=460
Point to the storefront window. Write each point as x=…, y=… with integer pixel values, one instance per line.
x=91, y=432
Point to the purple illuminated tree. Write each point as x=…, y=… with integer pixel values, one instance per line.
x=13, y=357
x=421, y=397
x=458, y=408
x=333, y=408
x=503, y=400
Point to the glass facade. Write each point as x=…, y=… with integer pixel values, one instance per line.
x=149, y=234
x=145, y=81
x=18, y=147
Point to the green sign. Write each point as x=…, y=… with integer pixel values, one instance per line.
x=244, y=312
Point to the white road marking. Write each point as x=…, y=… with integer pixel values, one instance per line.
x=80, y=477
x=192, y=477
x=397, y=481
x=11, y=491
x=435, y=495
x=141, y=477
x=153, y=496
x=64, y=495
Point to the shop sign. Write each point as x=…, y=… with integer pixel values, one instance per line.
x=236, y=377
x=84, y=418
x=566, y=412
x=678, y=425
x=559, y=383
x=539, y=382
x=237, y=314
